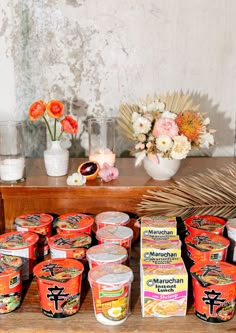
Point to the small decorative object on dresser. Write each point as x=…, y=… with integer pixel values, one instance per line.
x=165, y=128
x=56, y=158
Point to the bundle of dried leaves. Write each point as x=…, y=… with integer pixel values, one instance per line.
x=209, y=193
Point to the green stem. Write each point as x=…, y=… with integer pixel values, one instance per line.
x=48, y=127
x=59, y=137
x=55, y=129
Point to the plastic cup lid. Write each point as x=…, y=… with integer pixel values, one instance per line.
x=112, y=218
x=114, y=233
x=110, y=274
x=107, y=253
x=17, y=239
x=74, y=221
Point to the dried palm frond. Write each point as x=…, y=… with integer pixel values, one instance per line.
x=209, y=193
x=175, y=102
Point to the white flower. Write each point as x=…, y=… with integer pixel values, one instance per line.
x=135, y=116
x=206, y=140
x=206, y=121
x=164, y=143
x=139, y=157
x=181, y=147
x=139, y=146
x=152, y=107
x=76, y=179
x=160, y=106
x=168, y=114
x=141, y=125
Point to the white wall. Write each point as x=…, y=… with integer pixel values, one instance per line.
x=97, y=54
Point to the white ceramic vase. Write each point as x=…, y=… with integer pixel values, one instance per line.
x=56, y=159
x=162, y=169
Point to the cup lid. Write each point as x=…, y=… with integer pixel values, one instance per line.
x=209, y=273
x=10, y=264
x=207, y=241
x=70, y=241
x=33, y=220
x=73, y=221
x=110, y=274
x=107, y=253
x=17, y=239
x=114, y=233
x=112, y=217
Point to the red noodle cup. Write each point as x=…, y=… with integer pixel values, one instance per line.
x=116, y=235
x=69, y=246
x=21, y=244
x=41, y=224
x=74, y=223
x=111, y=287
x=10, y=282
x=106, y=254
x=198, y=224
x=111, y=219
x=207, y=247
x=214, y=288
x=59, y=285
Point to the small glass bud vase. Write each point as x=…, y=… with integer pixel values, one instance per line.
x=56, y=159
x=12, y=159
x=102, y=140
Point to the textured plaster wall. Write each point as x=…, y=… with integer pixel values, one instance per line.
x=96, y=54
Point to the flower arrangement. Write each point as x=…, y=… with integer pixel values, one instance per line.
x=168, y=126
x=54, y=109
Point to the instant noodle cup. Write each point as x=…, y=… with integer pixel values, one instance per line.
x=198, y=224
x=111, y=218
x=59, y=286
x=231, y=233
x=10, y=282
x=214, y=288
x=69, y=246
x=104, y=254
x=21, y=244
x=74, y=223
x=115, y=235
x=41, y=224
x=207, y=247
x=111, y=287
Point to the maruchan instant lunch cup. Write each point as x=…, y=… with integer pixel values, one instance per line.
x=69, y=246
x=21, y=244
x=59, y=286
x=111, y=218
x=39, y=223
x=198, y=224
x=74, y=223
x=10, y=282
x=214, y=288
x=116, y=235
x=207, y=247
x=104, y=254
x=111, y=287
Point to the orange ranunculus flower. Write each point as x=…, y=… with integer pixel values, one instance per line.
x=55, y=109
x=69, y=125
x=37, y=110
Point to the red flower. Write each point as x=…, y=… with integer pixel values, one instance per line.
x=69, y=125
x=37, y=110
x=55, y=109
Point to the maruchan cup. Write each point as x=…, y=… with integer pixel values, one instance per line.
x=104, y=254
x=41, y=224
x=214, y=288
x=111, y=218
x=198, y=224
x=207, y=247
x=115, y=235
x=21, y=244
x=59, y=286
x=69, y=246
x=111, y=287
x=74, y=223
x=10, y=282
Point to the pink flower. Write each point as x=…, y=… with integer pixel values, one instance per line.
x=108, y=173
x=165, y=126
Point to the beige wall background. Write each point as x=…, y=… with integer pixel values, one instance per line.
x=96, y=54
